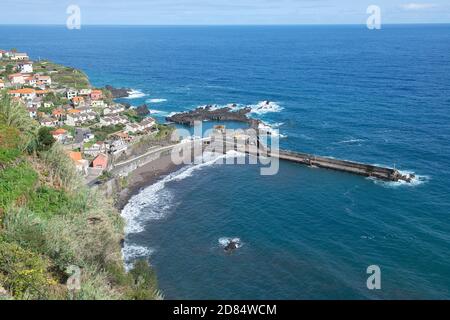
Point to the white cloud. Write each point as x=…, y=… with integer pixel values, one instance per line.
x=418, y=6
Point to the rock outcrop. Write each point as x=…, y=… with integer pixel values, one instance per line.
x=211, y=114
x=118, y=92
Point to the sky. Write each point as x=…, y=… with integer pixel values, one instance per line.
x=220, y=12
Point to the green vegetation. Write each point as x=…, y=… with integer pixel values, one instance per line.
x=102, y=133
x=51, y=223
x=66, y=77
x=133, y=116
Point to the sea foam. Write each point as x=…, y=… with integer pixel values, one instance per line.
x=155, y=201
x=156, y=100
x=135, y=94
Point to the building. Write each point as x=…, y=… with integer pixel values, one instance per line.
x=25, y=67
x=2, y=54
x=81, y=164
x=48, y=122
x=76, y=119
x=96, y=95
x=32, y=112
x=19, y=56
x=114, y=109
x=100, y=162
x=78, y=101
x=46, y=80
x=96, y=149
x=59, y=134
x=85, y=92
x=16, y=78
x=98, y=104
x=71, y=93
x=26, y=93
x=113, y=120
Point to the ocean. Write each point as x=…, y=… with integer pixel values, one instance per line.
x=376, y=96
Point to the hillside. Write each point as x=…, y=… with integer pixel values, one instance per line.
x=53, y=229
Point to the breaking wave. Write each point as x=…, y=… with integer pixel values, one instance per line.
x=223, y=242
x=133, y=252
x=272, y=129
x=264, y=107
x=154, y=202
x=135, y=94
x=416, y=181
x=155, y=100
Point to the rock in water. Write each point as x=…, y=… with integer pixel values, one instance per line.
x=118, y=92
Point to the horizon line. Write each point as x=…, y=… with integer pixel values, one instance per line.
x=221, y=25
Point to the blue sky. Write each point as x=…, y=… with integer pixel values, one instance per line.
x=176, y=12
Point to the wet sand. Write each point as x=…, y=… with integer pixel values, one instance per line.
x=146, y=176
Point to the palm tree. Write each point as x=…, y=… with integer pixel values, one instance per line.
x=14, y=114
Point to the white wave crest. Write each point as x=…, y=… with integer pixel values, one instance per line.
x=350, y=141
x=271, y=129
x=133, y=252
x=155, y=201
x=264, y=107
x=155, y=100
x=135, y=94
x=224, y=241
x=416, y=181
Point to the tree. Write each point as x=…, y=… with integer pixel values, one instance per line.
x=45, y=139
x=14, y=114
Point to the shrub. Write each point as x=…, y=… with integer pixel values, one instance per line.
x=48, y=202
x=145, y=285
x=24, y=273
x=45, y=139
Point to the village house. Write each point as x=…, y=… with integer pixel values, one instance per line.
x=76, y=119
x=59, y=134
x=133, y=127
x=85, y=109
x=78, y=101
x=16, y=78
x=98, y=104
x=100, y=162
x=117, y=146
x=80, y=163
x=71, y=93
x=85, y=92
x=2, y=54
x=45, y=80
x=26, y=93
x=48, y=122
x=32, y=111
x=30, y=81
x=25, y=67
x=148, y=123
x=96, y=149
x=113, y=120
x=19, y=56
x=41, y=93
x=96, y=94
x=114, y=109
x=58, y=114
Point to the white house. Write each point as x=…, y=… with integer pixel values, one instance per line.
x=16, y=78
x=113, y=120
x=26, y=93
x=85, y=92
x=25, y=67
x=71, y=93
x=19, y=56
x=47, y=122
x=75, y=119
x=147, y=123
x=114, y=109
x=47, y=80
x=98, y=104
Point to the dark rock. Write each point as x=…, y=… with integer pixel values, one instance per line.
x=118, y=92
x=232, y=245
x=208, y=113
x=142, y=110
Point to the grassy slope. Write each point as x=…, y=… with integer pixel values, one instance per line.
x=50, y=221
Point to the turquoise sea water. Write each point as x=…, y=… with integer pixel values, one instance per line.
x=381, y=97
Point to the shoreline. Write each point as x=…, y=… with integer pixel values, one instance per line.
x=144, y=177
